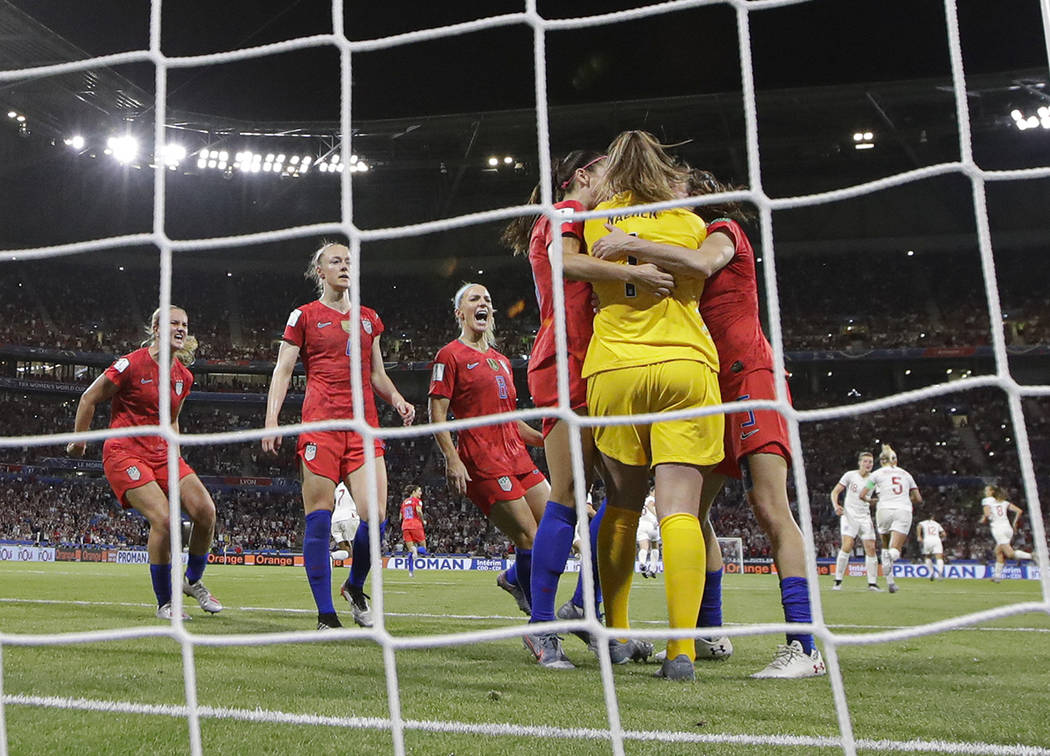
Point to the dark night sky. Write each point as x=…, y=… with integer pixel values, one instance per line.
x=685, y=52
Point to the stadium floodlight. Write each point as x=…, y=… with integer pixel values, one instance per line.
x=255, y=168
x=76, y=142
x=123, y=148
x=353, y=158
x=508, y=160
x=335, y=159
x=280, y=158
x=294, y=160
x=20, y=118
x=202, y=163
x=11, y=114
x=269, y=158
x=362, y=166
x=173, y=154
x=493, y=161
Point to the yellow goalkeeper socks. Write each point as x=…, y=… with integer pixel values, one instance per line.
x=616, y=539
x=685, y=563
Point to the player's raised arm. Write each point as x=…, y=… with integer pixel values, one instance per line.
x=279, y=382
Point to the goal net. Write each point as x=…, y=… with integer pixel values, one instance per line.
x=612, y=731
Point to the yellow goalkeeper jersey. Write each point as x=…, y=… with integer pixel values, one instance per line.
x=634, y=327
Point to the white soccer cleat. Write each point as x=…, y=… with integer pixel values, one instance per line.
x=791, y=662
x=197, y=590
x=837, y=587
x=714, y=648
x=358, y=601
x=874, y=588
x=165, y=613
x=340, y=555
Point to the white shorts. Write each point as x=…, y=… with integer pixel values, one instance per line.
x=344, y=530
x=1002, y=533
x=896, y=519
x=932, y=546
x=850, y=526
x=648, y=531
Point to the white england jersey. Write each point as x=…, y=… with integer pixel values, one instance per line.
x=931, y=530
x=854, y=482
x=344, y=518
x=998, y=511
x=893, y=485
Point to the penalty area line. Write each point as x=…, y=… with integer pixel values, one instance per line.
x=540, y=731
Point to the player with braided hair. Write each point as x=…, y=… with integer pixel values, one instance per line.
x=137, y=466
x=573, y=179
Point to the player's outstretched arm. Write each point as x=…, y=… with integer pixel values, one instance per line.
x=279, y=382
x=101, y=389
x=386, y=389
x=714, y=254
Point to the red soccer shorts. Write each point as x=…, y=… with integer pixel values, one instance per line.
x=487, y=491
x=757, y=431
x=126, y=471
x=413, y=535
x=334, y=454
x=543, y=386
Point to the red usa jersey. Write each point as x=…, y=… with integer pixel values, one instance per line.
x=322, y=335
x=579, y=314
x=410, y=509
x=729, y=307
x=137, y=401
x=480, y=383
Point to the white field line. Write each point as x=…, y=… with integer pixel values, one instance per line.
x=492, y=617
x=536, y=731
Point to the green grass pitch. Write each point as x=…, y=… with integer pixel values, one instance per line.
x=983, y=684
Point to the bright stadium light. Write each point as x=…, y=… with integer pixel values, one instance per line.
x=173, y=154
x=335, y=159
x=493, y=161
x=11, y=114
x=76, y=142
x=123, y=148
x=508, y=160
x=362, y=166
x=863, y=140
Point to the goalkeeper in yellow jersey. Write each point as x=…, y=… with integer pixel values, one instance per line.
x=653, y=354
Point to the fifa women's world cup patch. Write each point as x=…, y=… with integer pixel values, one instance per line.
x=310, y=452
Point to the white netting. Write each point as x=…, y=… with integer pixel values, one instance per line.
x=614, y=733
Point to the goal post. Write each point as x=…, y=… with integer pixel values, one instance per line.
x=732, y=555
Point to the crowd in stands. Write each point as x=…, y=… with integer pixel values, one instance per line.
x=240, y=316
x=974, y=442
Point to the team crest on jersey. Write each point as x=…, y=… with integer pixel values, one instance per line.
x=366, y=325
x=134, y=473
x=493, y=364
x=310, y=452
x=178, y=388
x=504, y=483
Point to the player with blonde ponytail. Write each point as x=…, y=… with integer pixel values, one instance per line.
x=897, y=493
x=137, y=466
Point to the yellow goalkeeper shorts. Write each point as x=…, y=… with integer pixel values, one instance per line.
x=660, y=387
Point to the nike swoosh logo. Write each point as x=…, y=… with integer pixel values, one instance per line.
x=749, y=434
x=147, y=380
x=322, y=325
x=472, y=365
